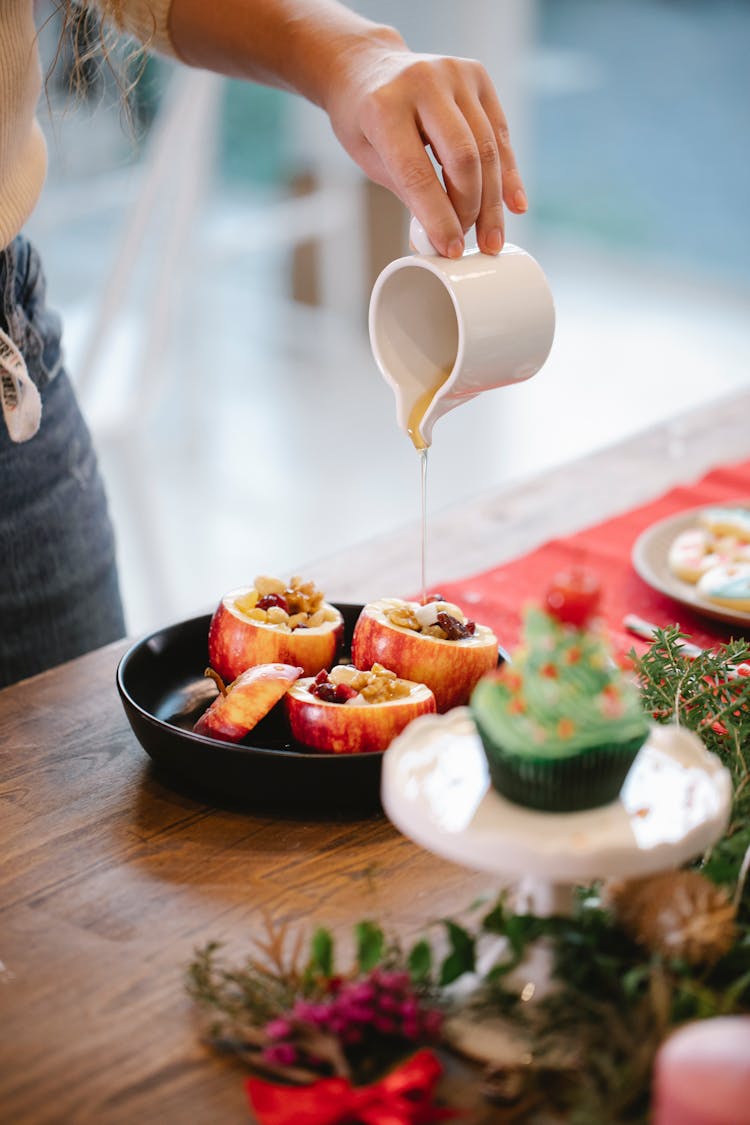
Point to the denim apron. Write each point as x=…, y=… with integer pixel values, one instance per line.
x=59, y=594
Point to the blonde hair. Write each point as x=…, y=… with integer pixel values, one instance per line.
x=96, y=38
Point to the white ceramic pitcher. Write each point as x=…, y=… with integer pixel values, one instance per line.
x=442, y=330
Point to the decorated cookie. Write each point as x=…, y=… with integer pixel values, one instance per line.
x=692, y=553
x=727, y=585
x=720, y=521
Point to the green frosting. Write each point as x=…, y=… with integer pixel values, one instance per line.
x=561, y=695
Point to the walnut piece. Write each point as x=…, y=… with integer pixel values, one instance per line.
x=379, y=685
x=304, y=601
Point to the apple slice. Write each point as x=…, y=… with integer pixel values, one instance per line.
x=354, y=712
x=272, y=622
x=246, y=701
x=433, y=644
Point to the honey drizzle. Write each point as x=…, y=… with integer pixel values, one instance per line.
x=419, y=409
x=416, y=414
x=423, y=550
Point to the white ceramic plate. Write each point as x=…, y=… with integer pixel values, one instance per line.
x=650, y=559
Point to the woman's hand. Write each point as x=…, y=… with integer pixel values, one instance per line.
x=387, y=103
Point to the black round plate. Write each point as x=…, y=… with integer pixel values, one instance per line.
x=163, y=690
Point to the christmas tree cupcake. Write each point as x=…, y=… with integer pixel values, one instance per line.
x=561, y=724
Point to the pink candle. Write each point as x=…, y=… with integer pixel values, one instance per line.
x=702, y=1074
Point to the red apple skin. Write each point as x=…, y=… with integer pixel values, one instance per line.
x=450, y=668
x=247, y=700
x=346, y=728
x=236, y=642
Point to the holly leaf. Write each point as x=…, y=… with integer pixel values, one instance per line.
x=462, y=958
x=370, y=941
x=321, y=953
x=494, y=921
x=420, y=962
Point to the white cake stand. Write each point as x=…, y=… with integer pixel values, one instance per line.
x=436, y=789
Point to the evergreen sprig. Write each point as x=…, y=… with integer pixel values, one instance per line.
x=708, y=694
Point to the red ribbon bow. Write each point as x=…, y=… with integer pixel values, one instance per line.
x=403, y=1097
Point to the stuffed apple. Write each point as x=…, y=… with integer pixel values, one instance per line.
x=348, y=711
x=433, y=644
x=241, y=706
x=274, y=622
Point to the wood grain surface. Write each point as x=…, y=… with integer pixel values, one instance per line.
x=110, y=878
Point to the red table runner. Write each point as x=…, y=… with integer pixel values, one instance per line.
x=496, y=597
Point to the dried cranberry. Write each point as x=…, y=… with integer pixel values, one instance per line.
x=269, y=600
x=325, y=691
x=344, y=692
x=321, y=677
x=454, y=629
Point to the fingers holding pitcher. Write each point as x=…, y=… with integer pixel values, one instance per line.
x=487, y=186
x=449, y=105
x=469, y=136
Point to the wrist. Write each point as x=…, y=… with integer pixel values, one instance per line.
x=339, y=57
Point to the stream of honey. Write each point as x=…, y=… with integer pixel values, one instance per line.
x=423, y=545
x=416, y=415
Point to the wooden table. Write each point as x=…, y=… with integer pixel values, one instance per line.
x=110, y=879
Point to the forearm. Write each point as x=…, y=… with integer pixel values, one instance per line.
x=298, y=45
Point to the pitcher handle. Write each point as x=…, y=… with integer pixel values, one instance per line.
x=419, y=240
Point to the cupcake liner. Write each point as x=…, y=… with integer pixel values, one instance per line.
x=583, y=781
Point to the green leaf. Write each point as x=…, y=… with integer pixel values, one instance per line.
x=516, y=931
x=735, y=992
x=497, y=972
x=321, y=953
x=478, y=902
x=634, y=979
x=420, y=962
x=370, y=941
x=725, y=859
x=462, y=958
x=494, y=922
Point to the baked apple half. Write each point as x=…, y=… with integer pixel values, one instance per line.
x=274, y=622
x=348, y=711
x=246, y=701
x=433, y=644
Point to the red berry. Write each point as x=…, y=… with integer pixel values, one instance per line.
x=325, y=691
x=573, y=596
x=269, y=600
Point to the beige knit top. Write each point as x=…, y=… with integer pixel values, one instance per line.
x=23, y=156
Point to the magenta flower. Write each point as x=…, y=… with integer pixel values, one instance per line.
x=280, y=1054
x=278, y=1029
